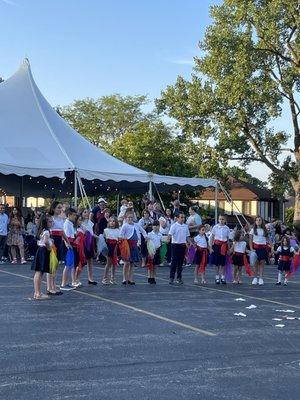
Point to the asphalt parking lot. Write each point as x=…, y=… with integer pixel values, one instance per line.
x=150, y=342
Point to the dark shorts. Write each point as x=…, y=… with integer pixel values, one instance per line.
x=238, y=259
x=262, y=254
x=284, y=266
x=41, y=260
x=219, y=259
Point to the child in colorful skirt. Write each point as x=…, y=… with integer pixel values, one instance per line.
x=258, y=242
x=111, y=235
x=41, y=262
x=239, y=257
x=89, y=244
x=286, y=253
x=201, y=256
x=131, y=232
x=153, y=260
x=220, y=245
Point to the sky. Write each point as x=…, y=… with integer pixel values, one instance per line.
x=90, y=48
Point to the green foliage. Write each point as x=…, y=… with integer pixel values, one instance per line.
x=289, y=216
x=248, y=66
x=106, y=119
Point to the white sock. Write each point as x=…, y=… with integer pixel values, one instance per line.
x=279, y=276
x=223, y=277
x=217, y=276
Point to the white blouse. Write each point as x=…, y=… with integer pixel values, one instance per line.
x=221, y=232
x=112, y=234
x=239, y=247
x=45, y=238
x=259, y=238
x=58, y=224
x=200, y=241
x=127, y=231
x=156, y=238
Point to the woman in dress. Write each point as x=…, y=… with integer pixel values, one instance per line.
x=15, y=238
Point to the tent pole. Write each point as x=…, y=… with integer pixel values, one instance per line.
x=150, y=191
x=75, y=189
x=118, y=202
x=216, y=203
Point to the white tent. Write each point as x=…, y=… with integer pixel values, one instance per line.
x=36, y=141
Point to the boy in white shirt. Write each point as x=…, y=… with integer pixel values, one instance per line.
x=178, y=234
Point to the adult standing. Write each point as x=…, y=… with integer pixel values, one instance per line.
x=3, y=230
x=15, y=235
x=194, y=221
x=97, y=214
x=178, y=234
x=176, y=208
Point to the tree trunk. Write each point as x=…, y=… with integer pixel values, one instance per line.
x=296, y=221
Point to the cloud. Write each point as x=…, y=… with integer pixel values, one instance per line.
x=182, y=61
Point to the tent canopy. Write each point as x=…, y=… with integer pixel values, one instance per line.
x=37, y=142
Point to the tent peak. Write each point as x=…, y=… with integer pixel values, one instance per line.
x=25, y=63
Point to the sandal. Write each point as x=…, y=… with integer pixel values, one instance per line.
x=41, y=296
x=14, y=261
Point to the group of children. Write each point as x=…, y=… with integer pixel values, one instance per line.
x=71, y=240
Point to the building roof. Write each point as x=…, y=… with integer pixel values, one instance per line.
x=240, y=190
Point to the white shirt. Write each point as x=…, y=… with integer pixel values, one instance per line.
x=45, y=237
x=127, y=231
x=122, y=212
x=260, y=237
x=239, y=247
x=179, y=233
x=3, y=224
x=156, y=238
x=69, y=229
x=110, y=233
x=165, y=230
x=221, y=232
x=200, y=241
x=87, y=225
x=58, y=224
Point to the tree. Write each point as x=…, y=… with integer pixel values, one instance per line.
x=105, y=119
x=248, y=68
x=151, y=146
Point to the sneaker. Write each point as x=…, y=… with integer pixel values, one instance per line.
x=179, y=281
x=235, y=282
x=67, y=287
x=124, y=283
x=171, y=281
x=223, y=281
x=92, y=283
x=2, y=262
x=113, y=282
x=260, y=281
x=153, y=281
x=23, y=261
x=203, y=282
x=285, y=283
x=105, y=281
x=131, y=283
x=77, y=284
x=217, y=281
x=255, y=281
x=196, y=282
x=278, y=283
x=14, y=261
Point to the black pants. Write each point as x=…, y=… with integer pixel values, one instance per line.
x=2, y=245
x=178, y=253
